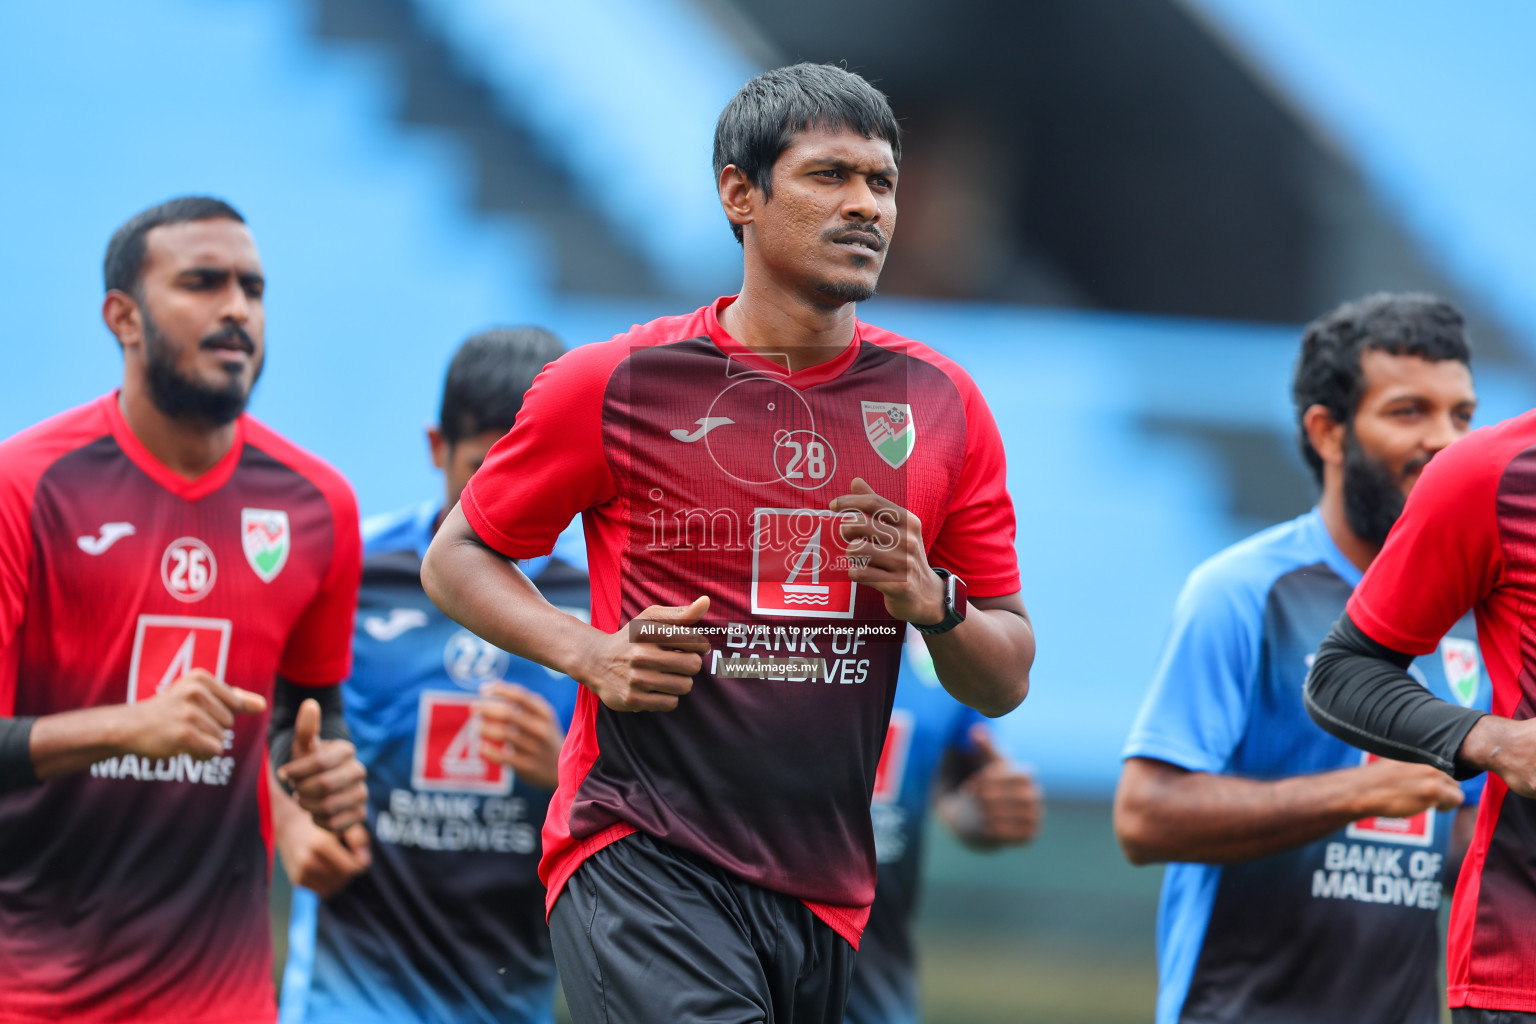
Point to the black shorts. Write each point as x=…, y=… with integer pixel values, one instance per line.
x=1471, y=1015
x=647, y=934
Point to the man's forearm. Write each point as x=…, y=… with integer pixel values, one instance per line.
x=1168, y=814
x=72, y=741
x=984, y=662
x=488, y=595
x=1361, y=692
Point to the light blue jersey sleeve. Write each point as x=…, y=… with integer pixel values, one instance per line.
x=1196, y=711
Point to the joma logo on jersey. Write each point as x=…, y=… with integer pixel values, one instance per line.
x=187, y=569
x=447, y=755
x=892, y=769
x=167, y=647
x=1418, y=830
x=800, y=564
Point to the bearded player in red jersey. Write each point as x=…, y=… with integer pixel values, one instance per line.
x=168, y=567
x=1466, y=540
x=771, y=491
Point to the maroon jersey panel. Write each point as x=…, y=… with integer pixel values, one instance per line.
x=1467, y=539
x=704, y=468
x=138, y=890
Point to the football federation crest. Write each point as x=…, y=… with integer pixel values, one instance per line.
x=266, y=538
x=891, y=430
x=1463, y=669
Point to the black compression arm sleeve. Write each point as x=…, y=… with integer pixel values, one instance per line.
x=16, y=770
x=286, y=698
x=1359, y=691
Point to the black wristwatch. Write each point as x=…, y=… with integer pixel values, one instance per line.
x=954, y=604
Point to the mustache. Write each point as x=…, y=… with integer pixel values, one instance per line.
x=1414, y=466
x=870, y=236
x=229, y=336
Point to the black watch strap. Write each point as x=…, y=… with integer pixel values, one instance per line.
x=954, y=609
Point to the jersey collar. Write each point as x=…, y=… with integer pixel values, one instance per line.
x=806, y=378
x=1332, y=556
x=187, y=490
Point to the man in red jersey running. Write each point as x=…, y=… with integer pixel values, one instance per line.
x=1466, y=539
x=168, y=567
x=771, y=491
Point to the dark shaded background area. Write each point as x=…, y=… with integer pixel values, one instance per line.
x=1114, y=154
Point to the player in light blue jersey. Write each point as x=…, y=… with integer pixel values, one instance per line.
x=1305, y=878
x=938, y=753
x=447, y=922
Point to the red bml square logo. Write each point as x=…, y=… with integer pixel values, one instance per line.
x=800, y=564
x=448, y=748
x=893, y=758
x=1418, y=830
x=167, y=647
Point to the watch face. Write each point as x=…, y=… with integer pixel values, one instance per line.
x=958, y=595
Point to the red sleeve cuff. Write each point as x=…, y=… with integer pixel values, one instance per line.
x=1378, y=630
x=993, y=586
x=489, y=534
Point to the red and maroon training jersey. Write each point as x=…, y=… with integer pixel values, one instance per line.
x=1467, y=539
x=138, y=890
x=702, y=467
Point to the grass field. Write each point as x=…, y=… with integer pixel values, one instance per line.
x=1060, y=931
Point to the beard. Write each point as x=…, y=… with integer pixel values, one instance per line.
x=841, y=292
x=1373, y=493
x=182, y=398
x=844, y=291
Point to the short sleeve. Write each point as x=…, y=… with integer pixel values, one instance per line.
x=24, y=458
x=15, y=567
x=550, y=467
x=1441, y=558
x=976, y=542
x=319, y=649
x=1196, y=712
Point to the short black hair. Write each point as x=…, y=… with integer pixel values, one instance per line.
x=123, y=266
x=1328, y=373
x=488, y=376
x=761, y=119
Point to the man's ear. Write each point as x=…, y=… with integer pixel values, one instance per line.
x=120, y=312
x=1325, y=433
x=440, y=445
x=738, y=198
